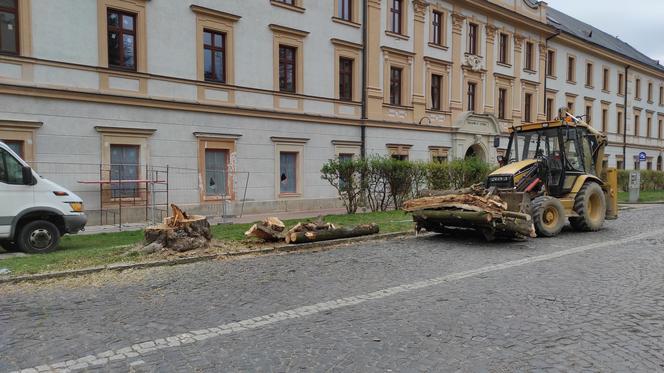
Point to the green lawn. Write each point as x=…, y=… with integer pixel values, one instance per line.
x=645, y=197
x=82, y=251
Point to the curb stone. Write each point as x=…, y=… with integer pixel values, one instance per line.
x=163, y=263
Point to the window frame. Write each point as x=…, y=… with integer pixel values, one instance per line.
x=396, y=81
x=571, y=69
x=650, y=94
x=16, y=11
x=343, y=7
x=437, y=27
x=637, y=89
x=346, y=86
x=527, y=107
x=621, y=84
x=528, y=55
x=606, y=83
x=436, y=92
x=471, y=96
x=590, y=67
x=502, y=103
x=472, y=47
x=396, y=17
x=289, y=146
x=282, y=68
x=137, y=166
x=551, y=62
x=120, y=32
x=288, y=37
x=140, y=43
x=213, y=49
x=503, y=48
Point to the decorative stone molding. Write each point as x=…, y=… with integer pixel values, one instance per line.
x=457, y=22
x=420, y=8
x=490, y=33
x=518, y=42
x=475, y=62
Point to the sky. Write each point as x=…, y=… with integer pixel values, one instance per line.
x=637, y=22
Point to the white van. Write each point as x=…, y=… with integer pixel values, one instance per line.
x=34, y=212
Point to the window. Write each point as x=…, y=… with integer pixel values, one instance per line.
x=529, y=55
x=620, y=164
x=216, y=172
x=649, y=127
x=438, y=154
x=659, y=163
x=124, y=166
x=503, y=47
x=396, y=13
x=589, y=110
x=288, y=172
x=502, y=102
x=472, y=88
x=637, y=89
x=437, y=24
x=661, y=96
x=287, y=66
x=346, y=79
x=620, y=122
x=11, y=170
x=571, y=61
x=398, y=152
x=395, y=85
x=589, y=74
x=637, y=120
x=605, y=79
x=121, y=39
x=214, y=50
x=549, y=109
x=605, y=119
x=16, y=146
x=649, y=164
x=570, y=107
x=527, y=108
x=345, y=11
x=621, y=84
x=436, y=84
x=551, y=63
x=650, y=92
x=472, y=38
x=289, y=2
x=660, y=125
x=9, y=26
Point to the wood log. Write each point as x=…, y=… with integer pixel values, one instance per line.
x=331, y=234
x=472, y=217
x=270, y=229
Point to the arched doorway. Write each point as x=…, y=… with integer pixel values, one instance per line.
x=476, y=151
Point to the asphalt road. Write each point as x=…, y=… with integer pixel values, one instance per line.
x=578, y=302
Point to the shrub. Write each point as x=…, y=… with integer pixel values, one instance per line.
x=650, y=180
x=346, y=177
x=457, y=174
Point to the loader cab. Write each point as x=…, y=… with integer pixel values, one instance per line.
x=564, y=152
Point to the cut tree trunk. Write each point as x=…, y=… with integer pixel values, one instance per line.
x=270, y=229
x=331, y=234
x=180, y=232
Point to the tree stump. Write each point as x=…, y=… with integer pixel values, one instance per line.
x=180, y=232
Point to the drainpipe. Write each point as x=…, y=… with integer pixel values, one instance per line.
x=546, y=46
x=363, y=127
x=625, y=122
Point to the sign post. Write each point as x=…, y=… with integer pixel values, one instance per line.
x=634, y=186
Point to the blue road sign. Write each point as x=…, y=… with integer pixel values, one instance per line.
x=642, y=156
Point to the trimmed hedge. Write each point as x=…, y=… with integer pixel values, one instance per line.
x=386, y=183
x=650, y=180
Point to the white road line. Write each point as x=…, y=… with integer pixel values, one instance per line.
x=194, y=336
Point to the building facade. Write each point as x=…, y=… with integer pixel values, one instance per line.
x=245, y=100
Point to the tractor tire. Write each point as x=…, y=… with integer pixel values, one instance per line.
x=38, y=237
x=590, y=204
x=548, y=216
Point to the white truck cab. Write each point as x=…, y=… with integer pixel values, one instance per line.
x=34, y=212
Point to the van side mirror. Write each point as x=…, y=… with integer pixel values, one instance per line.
x=28, y=179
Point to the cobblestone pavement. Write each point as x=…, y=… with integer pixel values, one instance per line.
x=578, y=302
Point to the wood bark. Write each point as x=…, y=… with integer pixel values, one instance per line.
x=180, y=232
x=270, y=229
x=331, y=234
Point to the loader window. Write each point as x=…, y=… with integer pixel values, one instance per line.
x=534, y=144
x=572, y=152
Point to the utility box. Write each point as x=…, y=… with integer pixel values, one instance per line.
x=634, y=186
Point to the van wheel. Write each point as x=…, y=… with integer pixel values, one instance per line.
x=590, y=204
x=548, y=216
x=39, y=237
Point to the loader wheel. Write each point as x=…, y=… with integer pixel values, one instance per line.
x=548, y=216
x=590, y=204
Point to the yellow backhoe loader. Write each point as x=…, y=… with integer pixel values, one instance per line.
x=552, y=171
